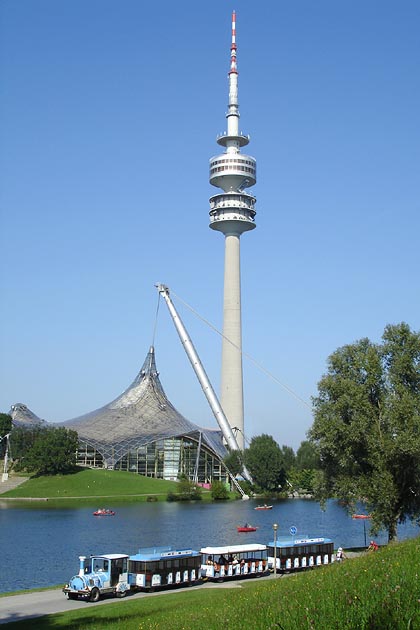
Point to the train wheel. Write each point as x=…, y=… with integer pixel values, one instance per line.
x=94, y=595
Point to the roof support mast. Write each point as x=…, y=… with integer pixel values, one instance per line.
x=202, y=377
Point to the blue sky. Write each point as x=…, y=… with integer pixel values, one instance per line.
x=109, y=115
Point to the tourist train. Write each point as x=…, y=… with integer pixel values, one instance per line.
x=163, y=567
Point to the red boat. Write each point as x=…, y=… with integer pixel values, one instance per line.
x=104, y=512
x=246, y=528
x=263, y=507
x=360, y=515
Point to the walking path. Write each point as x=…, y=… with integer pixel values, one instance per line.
x=11, y=483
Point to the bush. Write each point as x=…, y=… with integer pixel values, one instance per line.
x=219, y=491
x=187, y=491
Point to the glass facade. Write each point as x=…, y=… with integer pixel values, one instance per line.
x=163, y=459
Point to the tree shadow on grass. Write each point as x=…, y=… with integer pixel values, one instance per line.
x=96, y=618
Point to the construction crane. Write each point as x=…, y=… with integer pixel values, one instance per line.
x=204, y=382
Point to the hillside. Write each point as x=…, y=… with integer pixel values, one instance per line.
x=86, y=483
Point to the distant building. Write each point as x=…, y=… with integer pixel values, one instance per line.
x=24, y=417
x=142, y=432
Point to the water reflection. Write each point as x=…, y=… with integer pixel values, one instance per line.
x=39, y=546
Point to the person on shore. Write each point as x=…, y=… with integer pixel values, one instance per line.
x=340, y=555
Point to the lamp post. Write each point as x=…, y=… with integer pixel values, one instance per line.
x=275, y=528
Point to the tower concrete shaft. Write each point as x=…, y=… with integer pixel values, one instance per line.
x=232, y=212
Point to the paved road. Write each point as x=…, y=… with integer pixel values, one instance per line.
x=30, y=605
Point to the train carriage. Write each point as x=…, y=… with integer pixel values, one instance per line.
x=156, y=567
x=300, y=553
x=235, y=561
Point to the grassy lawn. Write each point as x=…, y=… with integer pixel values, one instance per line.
x=378, y=591
x=92, y=483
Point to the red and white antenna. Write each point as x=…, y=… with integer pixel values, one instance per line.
x=233, y=67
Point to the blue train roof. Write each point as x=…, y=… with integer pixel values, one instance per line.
x=287, y=541
x=149, y=554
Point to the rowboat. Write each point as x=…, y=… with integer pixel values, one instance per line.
x=246, y=528
x=361, y=516
x=263, y=507
x=104, y=512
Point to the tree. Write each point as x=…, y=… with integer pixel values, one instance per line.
x=289, y=457
x=53, y=452
x=264, y=460
x=307, y=456
x=233, y=462
x=302, y=480
x=367, y=427
x=303, y=472
x=5, y=428
x=22, y=439
x=6, y=424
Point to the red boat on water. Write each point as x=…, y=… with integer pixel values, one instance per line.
x=246, y=528
x=263, y=507
x=104, y=512
x=362, y=516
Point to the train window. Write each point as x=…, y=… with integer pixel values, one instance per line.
x=100, y=564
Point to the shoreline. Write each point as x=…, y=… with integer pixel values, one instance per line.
x=89, y=497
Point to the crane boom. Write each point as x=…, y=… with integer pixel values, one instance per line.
x=202, y=376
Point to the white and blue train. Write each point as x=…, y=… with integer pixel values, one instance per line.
x=162, y=567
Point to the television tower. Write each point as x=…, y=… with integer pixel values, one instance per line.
x=232, y=213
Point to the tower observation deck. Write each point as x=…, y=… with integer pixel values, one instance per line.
x=232, y=212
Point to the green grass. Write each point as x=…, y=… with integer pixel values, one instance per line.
x=378, y=591
x=92, y=483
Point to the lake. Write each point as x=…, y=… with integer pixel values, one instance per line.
x=39, y=545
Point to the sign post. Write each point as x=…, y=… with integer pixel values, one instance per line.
x=275, y=528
